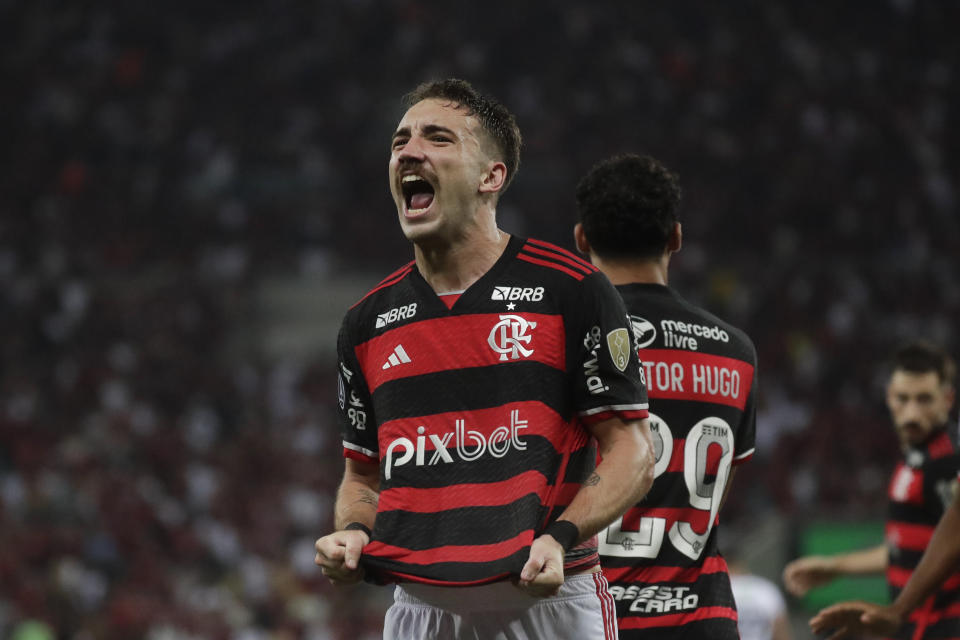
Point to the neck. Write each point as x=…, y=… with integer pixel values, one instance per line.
x=457, y=265
x=627, y=271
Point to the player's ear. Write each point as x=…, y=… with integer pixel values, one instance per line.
x=580, y=238
x=675, y=239
x=494, y=179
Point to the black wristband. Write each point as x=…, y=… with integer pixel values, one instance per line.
x=359, y=526
x=564, y=532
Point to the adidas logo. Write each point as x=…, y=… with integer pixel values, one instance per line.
x=399, y=356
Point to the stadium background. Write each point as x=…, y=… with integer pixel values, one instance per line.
x=193, y=193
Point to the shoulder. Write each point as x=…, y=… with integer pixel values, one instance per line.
x=557, y=261
x=735, y=336
x=372, y=303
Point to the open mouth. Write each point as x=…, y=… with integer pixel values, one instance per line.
x=417, y=193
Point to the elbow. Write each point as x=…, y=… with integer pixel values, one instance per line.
x=647, y=462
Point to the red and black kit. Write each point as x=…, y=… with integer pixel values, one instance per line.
x=665, y=572
x=920, y=490
x=475, y=412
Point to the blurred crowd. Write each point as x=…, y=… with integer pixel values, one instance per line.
x=160, y=477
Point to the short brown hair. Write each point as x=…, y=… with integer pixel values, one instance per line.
x=923, y=357
x=495, y=119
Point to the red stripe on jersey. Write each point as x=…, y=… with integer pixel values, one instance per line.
x=561, y=258
x=452, y=553
x=673, y=374
x=553, y=265
x=460, y=342
x=569, y=254
x=898, y=577
x=678, y=619
x=912, y=537
x=652, y=575
x=390, y=280
x=487, y=494
x=360, y=457
x=941, y=446
x=626, y=416
x=470, y=583
x=928, y=616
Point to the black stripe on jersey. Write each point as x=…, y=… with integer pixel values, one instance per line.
x=669, y=557
x=945, y=629
x=389, y=281
x=540, y=455
x=914, y=513
x=454, y=572
x=581, y=465
x=473, y=389
x=712, y=589
x=464, y=526
x=710, y=629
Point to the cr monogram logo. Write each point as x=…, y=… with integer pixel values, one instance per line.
x=509, y=336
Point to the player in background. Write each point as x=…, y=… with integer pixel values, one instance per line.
x=761, y=609
x=920, y=395
x=471, y=382
x=940, y=560
x=661, y=558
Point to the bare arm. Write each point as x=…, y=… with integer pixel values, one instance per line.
x=622, y=478
x=338, y=553
x=808, y=572
x=358, y=494
x=781, y=628
x=726, y=489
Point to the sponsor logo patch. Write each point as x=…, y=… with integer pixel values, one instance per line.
x=644, y=331
x=467, y=444
x=618, y=342
x=530, y=294
x=398, y=357
x=399, y=313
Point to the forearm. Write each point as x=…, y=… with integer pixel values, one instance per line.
x=622, y=478
x=357, y=496
x=940, y=559
x=873, y=560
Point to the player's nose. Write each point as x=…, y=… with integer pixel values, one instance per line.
x=412, y=150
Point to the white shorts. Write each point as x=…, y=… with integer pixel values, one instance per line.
x=583, y=610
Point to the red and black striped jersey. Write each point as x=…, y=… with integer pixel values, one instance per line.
x=920, y=490
x=661, y=558
x=476, y=413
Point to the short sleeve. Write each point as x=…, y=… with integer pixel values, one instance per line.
x=608, y=378
x=355, y=411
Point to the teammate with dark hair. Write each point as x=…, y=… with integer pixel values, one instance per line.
x=661, y=558
x=474, y=382
x=920, y=395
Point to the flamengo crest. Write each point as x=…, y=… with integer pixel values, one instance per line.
x=509, y=336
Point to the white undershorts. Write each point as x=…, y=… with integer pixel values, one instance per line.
x=583, y=610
